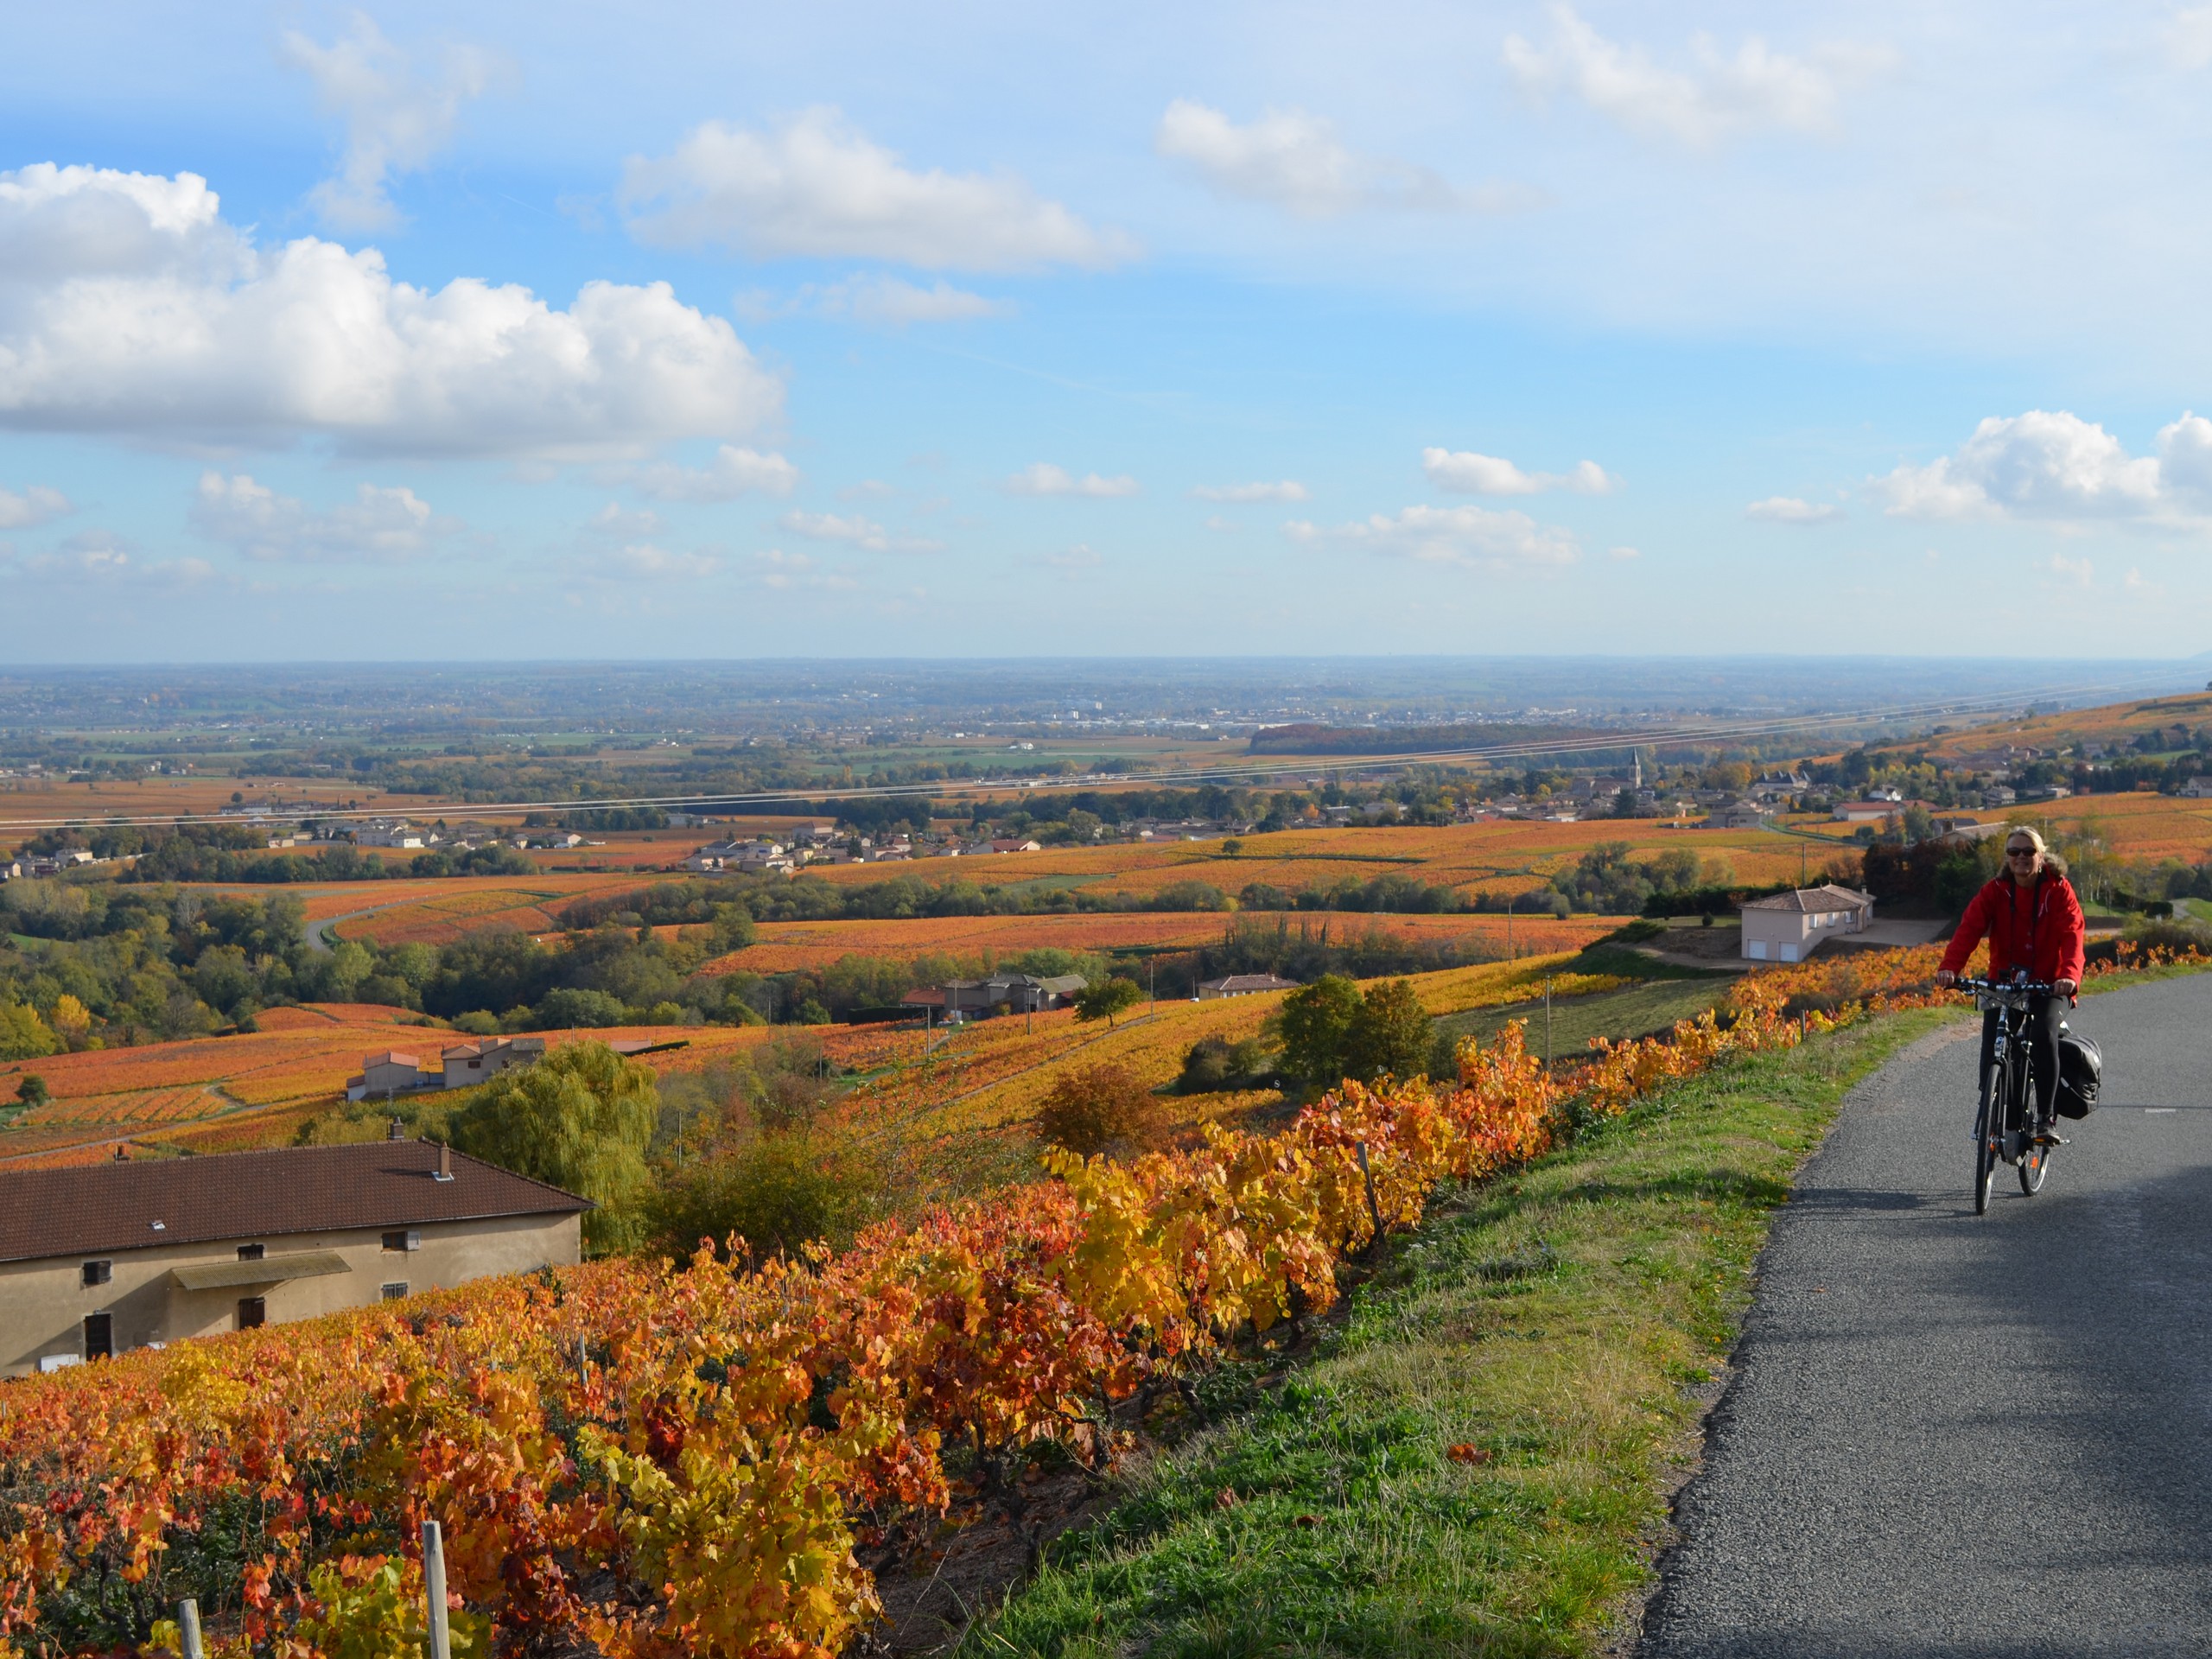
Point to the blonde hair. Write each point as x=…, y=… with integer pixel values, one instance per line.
x=2051, y=860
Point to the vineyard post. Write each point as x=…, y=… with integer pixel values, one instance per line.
x=187, y=1624
x=1374, y=1209
x=1548, y=1022
x=434, y=1589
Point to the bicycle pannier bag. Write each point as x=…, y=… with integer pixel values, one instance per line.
x=2081, y=1073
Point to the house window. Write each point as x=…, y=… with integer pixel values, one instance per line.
x=100, y=1336
x=253, y=1313
x=394, y=1291
x=99, y=1273
x=253, y=1252
x=402, y=1241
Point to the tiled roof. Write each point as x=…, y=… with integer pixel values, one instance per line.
x=92, y=1209
x=1253, y=982
x=1813, y=901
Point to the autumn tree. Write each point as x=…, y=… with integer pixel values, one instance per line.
x=1107, y=999
x=1104, y=1108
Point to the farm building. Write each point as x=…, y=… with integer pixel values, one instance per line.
x=1243, y=985
x=1790, y=926
x=100, y=1258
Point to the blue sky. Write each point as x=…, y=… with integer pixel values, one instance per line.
x=507, y=331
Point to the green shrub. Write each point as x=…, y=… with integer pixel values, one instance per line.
x=778, y=1191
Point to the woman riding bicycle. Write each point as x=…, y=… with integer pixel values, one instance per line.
x=2033, y=922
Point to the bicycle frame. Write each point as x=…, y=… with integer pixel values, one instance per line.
x=2001, y=1129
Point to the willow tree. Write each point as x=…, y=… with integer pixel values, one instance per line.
x=581, y=1119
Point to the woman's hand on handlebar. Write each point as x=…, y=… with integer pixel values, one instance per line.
x=2064, y=987
x=1945, y=978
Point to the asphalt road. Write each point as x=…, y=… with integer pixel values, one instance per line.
x=1973, y=1436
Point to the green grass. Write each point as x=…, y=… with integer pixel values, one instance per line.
x=1555, y=1321
x=1629, y=1012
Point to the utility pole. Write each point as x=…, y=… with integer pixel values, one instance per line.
x=1548, y=1022
x=1801, y=863
x=1509, y=898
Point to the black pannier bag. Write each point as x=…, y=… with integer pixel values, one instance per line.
x=2081, y=1073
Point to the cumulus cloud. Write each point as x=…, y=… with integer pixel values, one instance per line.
x=1042, y=478
x=1719, y=97
x=398, y=115
x=1288, y=489
x=128, y=305
x=816, y=187
x=1475, y=538
x=734, y=472
x=1081, y=556
x=34, y=506
x=380, y=522
x=1465, y=472
x=1294, y=161
x=2056, y=467
x=1624, y=553
x=780, y=569
x=855, y=529
x=1788, y=509
x=2079, y=572
x=616, y=522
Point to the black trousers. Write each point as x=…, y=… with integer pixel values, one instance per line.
x=2040, y=1032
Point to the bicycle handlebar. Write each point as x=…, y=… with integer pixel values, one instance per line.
x=2026, y=987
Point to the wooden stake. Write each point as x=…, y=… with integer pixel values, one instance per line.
x=434, y=1589
x=188, y=1624
x=1374, y=1209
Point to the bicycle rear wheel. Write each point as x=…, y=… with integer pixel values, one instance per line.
x=1989, y=1127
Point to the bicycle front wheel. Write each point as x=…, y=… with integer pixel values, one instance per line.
x=2035, y=1165
x=1988, y=1128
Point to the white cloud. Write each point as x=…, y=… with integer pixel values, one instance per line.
x=619, y=523
x=892, y=302
x=2077, y=571
x=1788, y=509
x=1719, y=97
x=128, y=305
x=2189, y=37
x=100, y=556
x=2052, y=465
x=868, y=489
x=1624, y=553
x=642, y=562
x=780, y=571
x=1294, y=161
x=379, y=522
x=1042, y=478
x=1465, y=472
x=732, y=473
x=1288, y=490
x=35, y=506
x=815, y=188
x=398, y=116
x=1473, y=536
x=1081, y=556
x=856, y=530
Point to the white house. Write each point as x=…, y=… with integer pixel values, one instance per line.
x=1790, y=926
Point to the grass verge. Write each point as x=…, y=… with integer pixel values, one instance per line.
x=1477, y=1460
x=1629, y=1012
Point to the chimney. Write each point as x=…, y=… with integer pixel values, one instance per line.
x=394, y=1131
x=445, y=1164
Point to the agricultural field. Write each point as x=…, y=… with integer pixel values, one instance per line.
x=785, y=946
x=253, y=1088
x=439, y=911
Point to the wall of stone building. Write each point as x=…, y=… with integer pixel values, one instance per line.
x=43, y=1304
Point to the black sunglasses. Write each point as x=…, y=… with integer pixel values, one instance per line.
x=2019, y=852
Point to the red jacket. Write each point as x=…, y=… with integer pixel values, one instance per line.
x=2043, y=922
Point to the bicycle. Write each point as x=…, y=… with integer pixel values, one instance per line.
x=2007, y=1126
